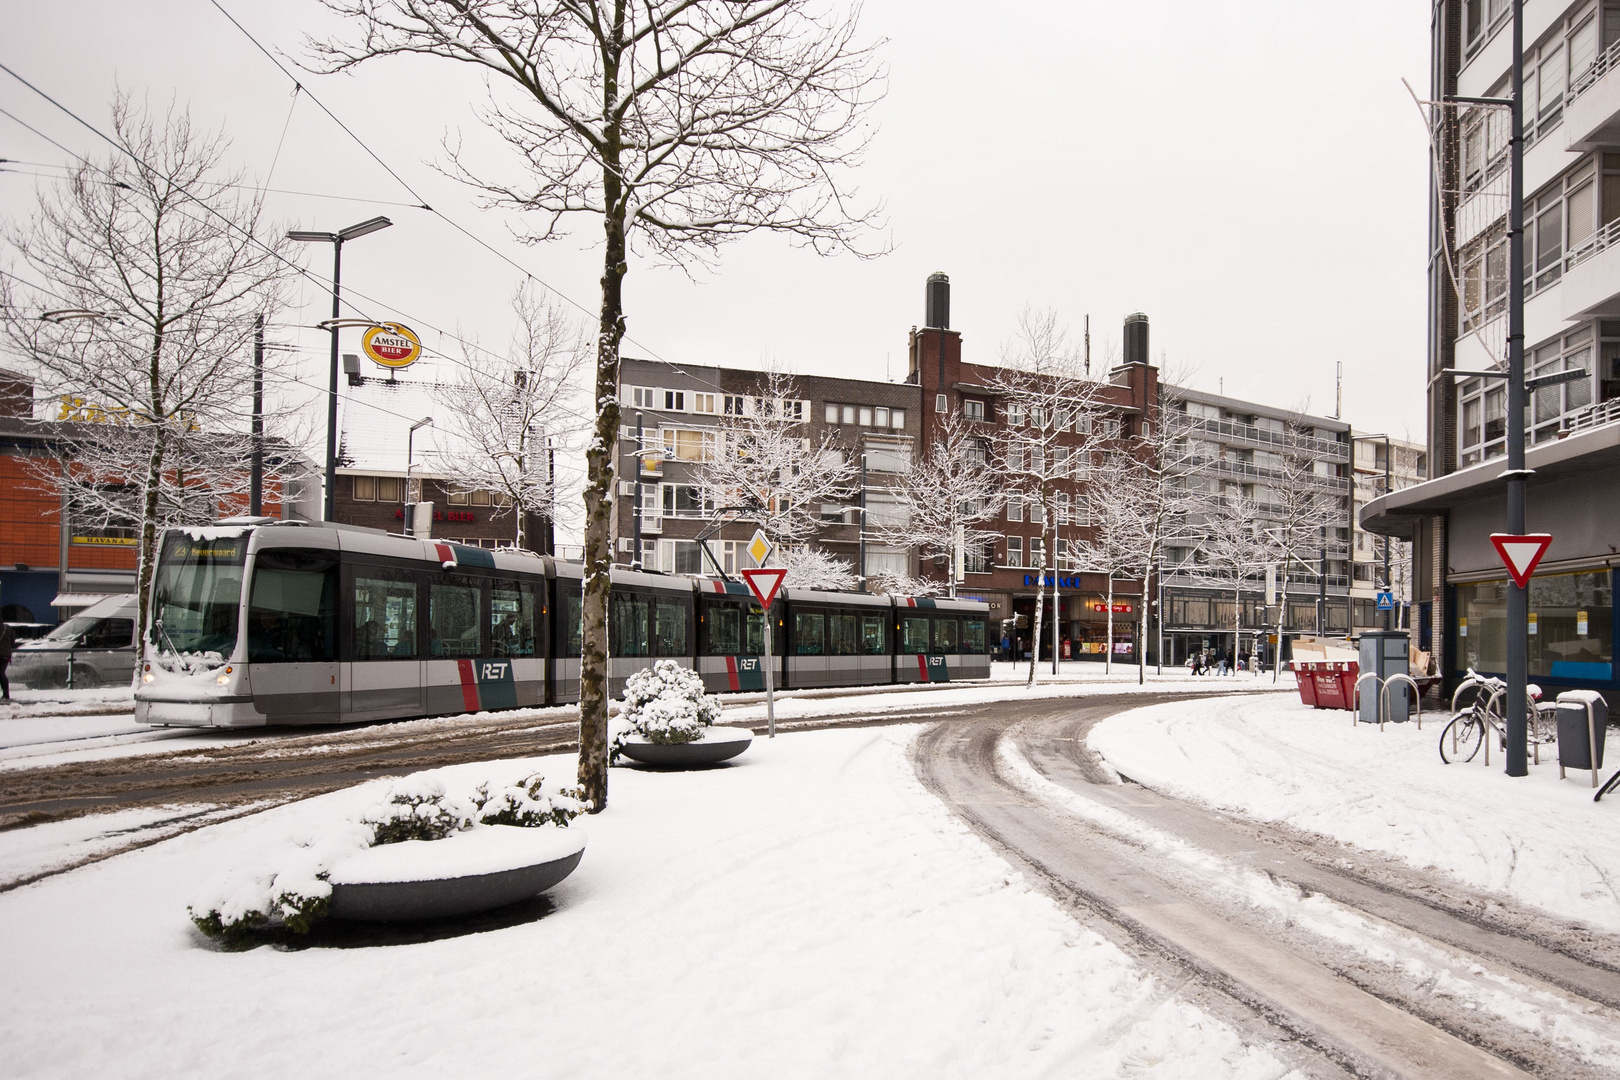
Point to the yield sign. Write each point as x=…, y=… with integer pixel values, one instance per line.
x=763, y=582
x=1520, y=554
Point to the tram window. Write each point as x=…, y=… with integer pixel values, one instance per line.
x=627, y=624
x=722, y=630
x=384, y=618
x=809, y=633
x=511, y=620
x=669, y=625
x=756, y=633
x=570, y=631
x=292, y=613
x=944, y=635
x=455, y=619
x=914, y=635
x=842, y=639
x=972, y=637
x=873, y=641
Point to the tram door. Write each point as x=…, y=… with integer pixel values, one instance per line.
x=383, y=679
x=292, y=635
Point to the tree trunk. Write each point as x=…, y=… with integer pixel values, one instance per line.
x=1108, y=644
x=599, y=460
x=1141, y=630
x=1057, y=604
x=1035, y=623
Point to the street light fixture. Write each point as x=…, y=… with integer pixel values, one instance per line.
x=336, y=239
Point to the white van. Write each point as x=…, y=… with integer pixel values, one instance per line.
x=96, y=647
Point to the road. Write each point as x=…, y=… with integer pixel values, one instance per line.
x=1356, y=966
x=1349, y=964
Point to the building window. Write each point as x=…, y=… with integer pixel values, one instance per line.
x=1037, y=512
x=674, y=401
x=703, y=403
x=973, y=452
x=1037, y=552
x=939, y=403
x=832, y=413
x=736, y=405
x=643, y=397
x=390, y=489
x=456, y=498
x=866, y=416
x=880, y=417
x=1015, y=414
x=479, y=497
x=973, y=410
x=365, y=489
x=1015, y=551
x=688, y=445
x=1015, y=507
x=897, y=418
x=888, y=457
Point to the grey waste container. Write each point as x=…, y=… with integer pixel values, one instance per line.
x=1575, y=735
x=1385, y=653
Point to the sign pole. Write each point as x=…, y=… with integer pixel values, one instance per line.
x=770, y=679
x=1518, y=598
x=764, y=583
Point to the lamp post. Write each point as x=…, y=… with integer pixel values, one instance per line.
x=1388, y=584
x=410, y=448
x=336, y=239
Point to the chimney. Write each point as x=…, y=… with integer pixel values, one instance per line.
x=1136, y=338
x=938, y=313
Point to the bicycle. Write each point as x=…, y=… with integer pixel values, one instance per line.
x=1463, y=736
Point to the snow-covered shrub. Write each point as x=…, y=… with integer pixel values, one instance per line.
x=293, y=890
x=666, y=703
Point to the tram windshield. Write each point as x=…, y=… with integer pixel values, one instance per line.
x=198, y=593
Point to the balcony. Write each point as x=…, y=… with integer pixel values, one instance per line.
x=1592, y=112
x=1591, y=283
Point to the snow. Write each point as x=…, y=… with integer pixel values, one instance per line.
x=810, y=911
x=482, y=849
x=1537, y=839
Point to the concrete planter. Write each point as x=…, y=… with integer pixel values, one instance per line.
x=718, y=744
x=488, y=866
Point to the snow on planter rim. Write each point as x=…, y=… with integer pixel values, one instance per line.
x=483, y=849
x=710, y=735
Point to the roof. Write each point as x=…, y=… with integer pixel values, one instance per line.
x=1397, y=513
x=374, y=421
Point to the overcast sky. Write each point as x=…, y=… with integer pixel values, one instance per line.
x=1251, y=175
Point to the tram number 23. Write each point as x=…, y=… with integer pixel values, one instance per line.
x=495, y=671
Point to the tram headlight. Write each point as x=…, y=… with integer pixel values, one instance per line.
x=225, y=676
x=146, y=673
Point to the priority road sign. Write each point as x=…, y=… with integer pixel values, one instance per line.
x=760, y=548
x=764, y=582
x=1520, y=554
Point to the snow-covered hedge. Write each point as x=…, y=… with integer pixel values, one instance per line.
x=291, y=888
x=665, y=703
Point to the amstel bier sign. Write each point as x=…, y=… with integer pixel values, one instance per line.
x=393, y=345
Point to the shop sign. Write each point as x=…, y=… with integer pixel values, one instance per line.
x=1118, y=609
x=392, y=345
x=1070, y=582
x=106, y=541
x=446, y=515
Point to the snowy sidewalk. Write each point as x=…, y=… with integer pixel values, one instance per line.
x=810, y=912
x=1538, y=839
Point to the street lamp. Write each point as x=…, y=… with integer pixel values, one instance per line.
x=336, y=239
x=410, y=447
x=1388, y=583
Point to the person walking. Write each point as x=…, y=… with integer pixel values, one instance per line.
x=8, y=642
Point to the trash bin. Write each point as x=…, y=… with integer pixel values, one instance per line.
x=1583, y=715
x=1385, y=653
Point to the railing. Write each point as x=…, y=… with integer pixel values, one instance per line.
x=1587, y=79
x=1599, y=241
x=1594, y=416
x=1332, y=449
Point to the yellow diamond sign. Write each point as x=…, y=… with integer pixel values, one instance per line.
x=759, y=548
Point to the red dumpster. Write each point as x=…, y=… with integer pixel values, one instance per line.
x=1328, y=684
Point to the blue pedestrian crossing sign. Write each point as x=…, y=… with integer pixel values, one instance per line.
x=1386, y=601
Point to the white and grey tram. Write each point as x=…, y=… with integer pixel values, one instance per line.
x=266, y=622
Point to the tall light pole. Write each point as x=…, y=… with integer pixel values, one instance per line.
x=336, y=239
x=410, y=448
x=1388, y=487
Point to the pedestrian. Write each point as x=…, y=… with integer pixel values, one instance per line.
x=1006, y=648
x=8, y=642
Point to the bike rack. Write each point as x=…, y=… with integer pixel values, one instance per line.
x=1383, y=699
x=1355, y=710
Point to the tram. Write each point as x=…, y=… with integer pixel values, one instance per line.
x=257, y=622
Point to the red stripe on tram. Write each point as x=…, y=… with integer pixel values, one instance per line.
x=731, y=672
x=469, y=685
x=922, y=666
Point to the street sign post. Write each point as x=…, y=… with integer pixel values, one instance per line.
x=764, y=583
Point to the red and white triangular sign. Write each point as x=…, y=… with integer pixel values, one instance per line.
x=763, y=582
x=1520, y=554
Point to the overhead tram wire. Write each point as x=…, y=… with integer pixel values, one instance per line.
x=423, y=203
x=229, y=224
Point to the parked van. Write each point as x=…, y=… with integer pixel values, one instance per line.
x=96, y=646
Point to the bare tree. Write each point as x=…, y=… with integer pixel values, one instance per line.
x=764, y=459
x=943, y=497
x=155, y=269
x=1115, y=547
x=676, y=125
x=1054, y=423
x=812, y=568
x=1303, y=505
x=506, y=412
x=1233, y=549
